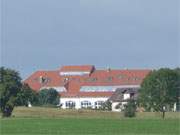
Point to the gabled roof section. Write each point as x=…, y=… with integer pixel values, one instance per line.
x=41, y=79
x=117, y=96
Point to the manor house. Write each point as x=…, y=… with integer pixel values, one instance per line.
x=84, y=86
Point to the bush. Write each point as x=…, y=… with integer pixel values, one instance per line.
x=118, y=106
x=130, y=109
x=107, y=106
x=48, y=97
x=26, y=96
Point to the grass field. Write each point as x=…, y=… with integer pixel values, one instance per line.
x=51, y=121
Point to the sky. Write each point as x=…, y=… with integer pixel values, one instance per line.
x=46, y=34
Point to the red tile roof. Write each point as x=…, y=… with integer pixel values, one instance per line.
x=82, y=68
x=116, y=77
x=53, y=79
x=96, y=78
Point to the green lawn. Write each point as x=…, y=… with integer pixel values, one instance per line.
x=77, y=126
x=80, y=123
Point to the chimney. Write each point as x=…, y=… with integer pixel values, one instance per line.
x=108, y=69
x=41, y=79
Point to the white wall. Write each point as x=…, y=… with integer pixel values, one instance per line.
x=114, y=104
x=78, y=101
x=114, y=109
x=126, y=96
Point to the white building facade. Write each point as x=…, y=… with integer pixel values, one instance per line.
x=82, y=102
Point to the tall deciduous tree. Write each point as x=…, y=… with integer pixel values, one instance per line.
x=177, y=70
x=10, y=85
x=159, y=90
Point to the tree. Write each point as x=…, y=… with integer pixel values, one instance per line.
x=48, y=97
x=26, y=96
x=130, y=109
x=177, y=70
x=159, y=90
x=10, y=85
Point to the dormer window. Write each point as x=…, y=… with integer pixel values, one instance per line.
x=65, y=79
x=137, y=78
x=92, y=79
x=43, y=80
x=121, y=76
x=109, y=79
x=134, y=78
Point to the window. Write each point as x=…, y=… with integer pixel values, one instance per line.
x=70, y=104
x=85, y=104
x=132, y=95
x=42, y=80
x=109, y=79
x=121, y=76
x=66, y=79
x=97, y=88
x=136, y=78
x=91, y=79
x=99, y=104
x=59, y=89
x=126, y=96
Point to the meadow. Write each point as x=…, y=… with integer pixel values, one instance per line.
x=54, y=121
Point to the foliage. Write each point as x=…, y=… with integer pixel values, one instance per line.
x=48, y=97
x=118, y=106
x=177, y=70
x=160, y=89
x=107, y=106
x=10, y=85
x=130, y=109
x=26, y=96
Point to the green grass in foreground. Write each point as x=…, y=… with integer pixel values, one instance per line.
x=53, y=121
x=74, y=126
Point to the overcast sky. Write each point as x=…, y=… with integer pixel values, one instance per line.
x=45, y=34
